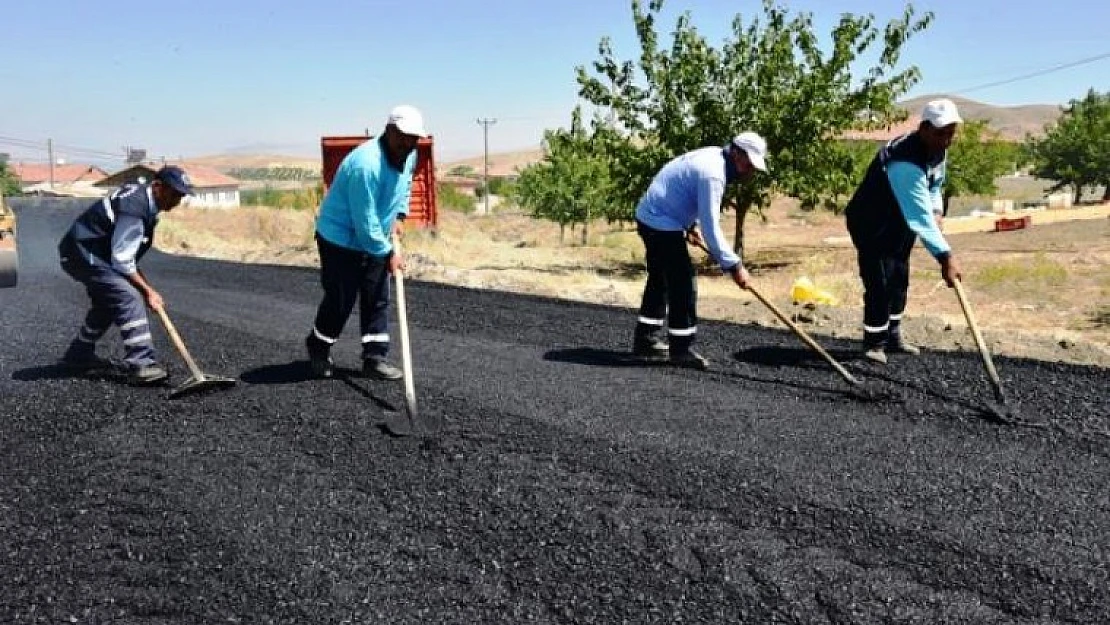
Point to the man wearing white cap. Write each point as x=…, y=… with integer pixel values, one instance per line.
x=898, y=201
x=687, y=192
x=354, y=234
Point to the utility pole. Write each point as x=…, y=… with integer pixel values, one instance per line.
x=486, y=122
x=50, y=155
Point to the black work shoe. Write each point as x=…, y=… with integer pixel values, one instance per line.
x=650, y=348
x=380, y=369
x=145, y=375
x=901, y=347
x=319, y=362
x=690, y=360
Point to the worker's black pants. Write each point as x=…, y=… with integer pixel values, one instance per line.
x=348, y=275
x=884, y=268
x=670, y=295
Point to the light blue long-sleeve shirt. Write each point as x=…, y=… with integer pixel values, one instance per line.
x=365, y=197
x=919, y=197
x=688, y=190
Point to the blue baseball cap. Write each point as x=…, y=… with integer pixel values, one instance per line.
x=176, y=178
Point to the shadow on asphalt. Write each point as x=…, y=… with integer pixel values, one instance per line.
x=298, y=371
x=288, y=373
x=792, y=356
x=598, y=358
x=53, y=371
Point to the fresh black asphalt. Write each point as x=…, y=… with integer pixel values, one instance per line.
x=566, y=483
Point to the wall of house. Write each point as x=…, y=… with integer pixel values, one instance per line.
x=215, y=197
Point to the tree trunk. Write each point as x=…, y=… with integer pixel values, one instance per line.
x=562, y=233
x=738, y=233
x=1078, y=194
x=1106, y=191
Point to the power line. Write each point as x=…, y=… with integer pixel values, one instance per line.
x=1040, y=72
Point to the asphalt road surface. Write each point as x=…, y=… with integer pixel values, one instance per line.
x=565, y=485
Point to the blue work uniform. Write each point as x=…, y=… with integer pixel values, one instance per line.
x=687, y=191
x=102, y=247
x=353, y=235
x=897, y=202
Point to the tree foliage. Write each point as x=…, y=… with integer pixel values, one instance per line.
x=571, y=185
x=976, y=159
x=9, y=183
x=771, y=75
x=1075, y=151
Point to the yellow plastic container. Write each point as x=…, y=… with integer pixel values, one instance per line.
x=803, y=291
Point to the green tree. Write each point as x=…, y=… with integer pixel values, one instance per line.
x=1075, y=151
x=572, y=184
x=771, y=75
x=976, y=159
x=9, y=184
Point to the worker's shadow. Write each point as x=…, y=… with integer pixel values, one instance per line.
x=53, y=371
x=299, y=371
x=773, y=356
x=598, y=358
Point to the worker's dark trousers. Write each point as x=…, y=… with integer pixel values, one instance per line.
x=670, y=295
x=112, y=300
x=347, y=275
x=885, y=272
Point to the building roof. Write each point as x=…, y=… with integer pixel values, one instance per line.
x=34, y=173
x=202, y=177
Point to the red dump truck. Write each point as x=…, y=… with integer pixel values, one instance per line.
x=422, y=205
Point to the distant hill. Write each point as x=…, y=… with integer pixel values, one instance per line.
x=228, y=162
x=1012, y=122
x=500, y=164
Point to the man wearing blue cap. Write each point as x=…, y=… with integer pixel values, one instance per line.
x=101, y=250
x=687, y=192
x=354, y=234
x=899, y=200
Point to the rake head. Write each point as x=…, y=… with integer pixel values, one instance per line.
x=201, y=384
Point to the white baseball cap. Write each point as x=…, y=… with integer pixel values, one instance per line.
x=408, y=120
x=941, y=113
x=754, y=146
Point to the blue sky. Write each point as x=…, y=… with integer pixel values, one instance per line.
x=207, y=77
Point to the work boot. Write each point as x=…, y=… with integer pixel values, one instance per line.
x=875, y=353
x=689, y=359
x=319, y=360
x=146, y=375
x=380, y=369
x=650, y=348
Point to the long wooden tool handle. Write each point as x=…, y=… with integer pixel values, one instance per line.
x=805, y=337
x=178, y=343
x=988, y=363
x=406, y=352
x=799, y=332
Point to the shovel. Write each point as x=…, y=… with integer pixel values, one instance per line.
x=1002, y=412
x=199, y=381
x=408, y=425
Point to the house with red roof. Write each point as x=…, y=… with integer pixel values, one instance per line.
x=60, y=179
